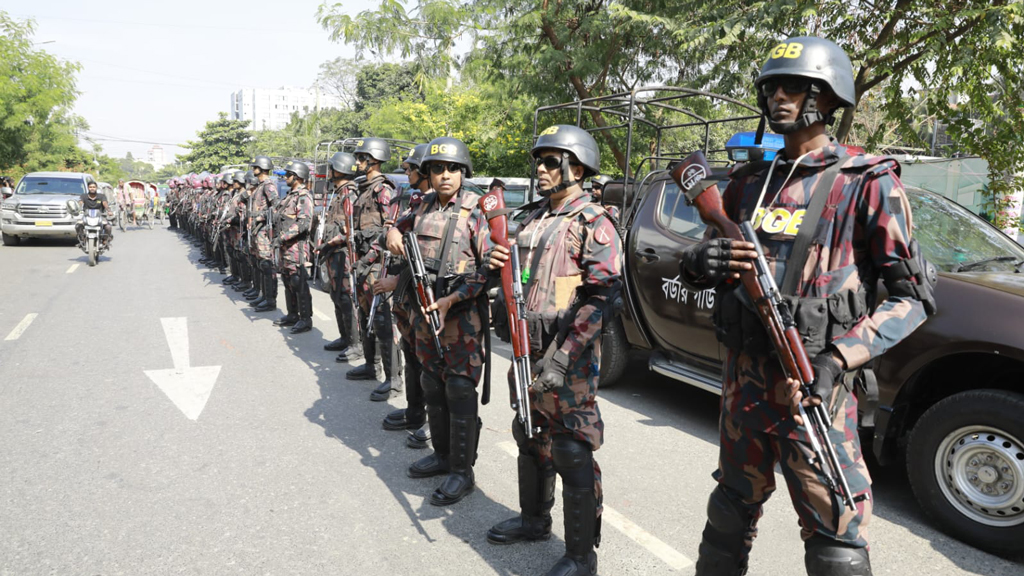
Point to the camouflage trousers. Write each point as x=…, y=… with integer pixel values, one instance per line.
x=569, y=410
x=263, y=250
x=460, y=340
x=294, y=255
x=757, y=432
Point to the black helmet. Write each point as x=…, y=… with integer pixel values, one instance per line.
x=239, y=177
x=300, y=169
x=600, y=180
x=415, y=157
x=377, y=148
x=344, y=163
x=263, y=163
x=813, y=58
x=250, y=179
x=447, y=149
x=574, y=140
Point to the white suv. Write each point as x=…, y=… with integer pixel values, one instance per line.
x=38, y=208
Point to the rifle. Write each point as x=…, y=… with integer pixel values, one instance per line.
x=493, y=206
x=691, y=175
x=421, y=281
x=319, y=240
x=347, y=207
x=385, y=263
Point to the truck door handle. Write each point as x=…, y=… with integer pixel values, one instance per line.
x=647, y=255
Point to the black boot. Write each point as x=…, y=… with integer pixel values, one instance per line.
x=582, y=533
x=230, y=280
x=440, y=427
x=460, y=481
x=536, y=497
x=290, y=304
x=305, y=307
x=367, y=371
x=826, y=557
x=339, y=344
x=269, y=291
x=418, y=439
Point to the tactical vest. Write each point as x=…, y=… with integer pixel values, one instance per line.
x=432, y=225
x=367, y=213
x=553, y=276
x=288, y=211
x=818, y=320
x=335, y=219
x=263, y=197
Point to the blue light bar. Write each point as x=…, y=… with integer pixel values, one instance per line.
x=741, y=146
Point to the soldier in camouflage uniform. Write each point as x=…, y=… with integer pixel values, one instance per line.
x=597, y=184
x=571, y=259
x=399, y=283
x=453, y=237
x=294, y=218
x=264, y=199
x=369, y=214
x=253, y=292
x=230, y=223
x=861, y=235
x=236, y=218
x=334, y=249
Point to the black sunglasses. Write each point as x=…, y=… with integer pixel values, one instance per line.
x=790, y=85
x=362, y=157
x=438, y=169
x=552, y=162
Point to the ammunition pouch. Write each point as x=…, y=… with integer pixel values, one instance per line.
x=913, y=277
x=818, y=320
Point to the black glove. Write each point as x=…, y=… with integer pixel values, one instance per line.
x=552, y=372
x=708, y=259
x=826, y=373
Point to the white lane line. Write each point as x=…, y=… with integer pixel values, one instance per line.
x=72, y=269
x=21, y=327
x=321, y=315
x=613, y=518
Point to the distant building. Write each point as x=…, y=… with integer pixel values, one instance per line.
x=155, y=156
x=272, y=108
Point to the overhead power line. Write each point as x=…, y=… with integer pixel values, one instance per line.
x=150, y=24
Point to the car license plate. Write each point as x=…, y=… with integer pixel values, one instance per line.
x=44, y=223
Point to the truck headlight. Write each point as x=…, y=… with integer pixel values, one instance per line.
x=9, y=206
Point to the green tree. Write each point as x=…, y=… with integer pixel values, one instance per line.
x=37, y=93
x=221, y=142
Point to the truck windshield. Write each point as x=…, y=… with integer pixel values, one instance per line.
x=953, y=238
x=39, y=185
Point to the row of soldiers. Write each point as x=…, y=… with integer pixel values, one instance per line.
x=363, y=235
x=437, y=239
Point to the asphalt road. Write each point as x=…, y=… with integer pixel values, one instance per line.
x=285, y=469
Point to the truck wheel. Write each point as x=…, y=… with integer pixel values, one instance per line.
x=11, y=240
x=965, y=460
x=614, y=353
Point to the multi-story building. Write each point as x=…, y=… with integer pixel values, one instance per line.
x=272, y=108
x=155, y=156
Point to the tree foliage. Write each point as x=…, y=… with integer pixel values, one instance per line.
x=37, y=93
x=911, y=58
x=220, y=143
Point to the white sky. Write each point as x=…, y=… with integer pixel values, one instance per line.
x=157, y=71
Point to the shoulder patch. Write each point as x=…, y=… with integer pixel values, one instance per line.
x=592, y=211
x=871, y=164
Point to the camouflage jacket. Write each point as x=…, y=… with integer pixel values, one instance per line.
x=569, y=255
x=294, y=216
x=264, y=197
x=335, y=221
x=463, y=267
x=369, y=213
x=865, y=227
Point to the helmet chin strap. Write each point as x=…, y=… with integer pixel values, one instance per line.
x=809, y=114
x=567, y=179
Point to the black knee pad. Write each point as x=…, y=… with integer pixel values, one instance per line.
x=266, y=266
x=461, y=394
x=728, y=514
x=574, y=461
x=294, y=281
x=433, y=389
x=824, y=556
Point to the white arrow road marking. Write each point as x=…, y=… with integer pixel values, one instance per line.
x=612, y=517
x=21, y=327
x=189, y=388
x=72, y=269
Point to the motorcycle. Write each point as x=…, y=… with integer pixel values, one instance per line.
x=92, y=237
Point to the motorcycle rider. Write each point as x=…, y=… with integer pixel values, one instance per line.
x=93, y=200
